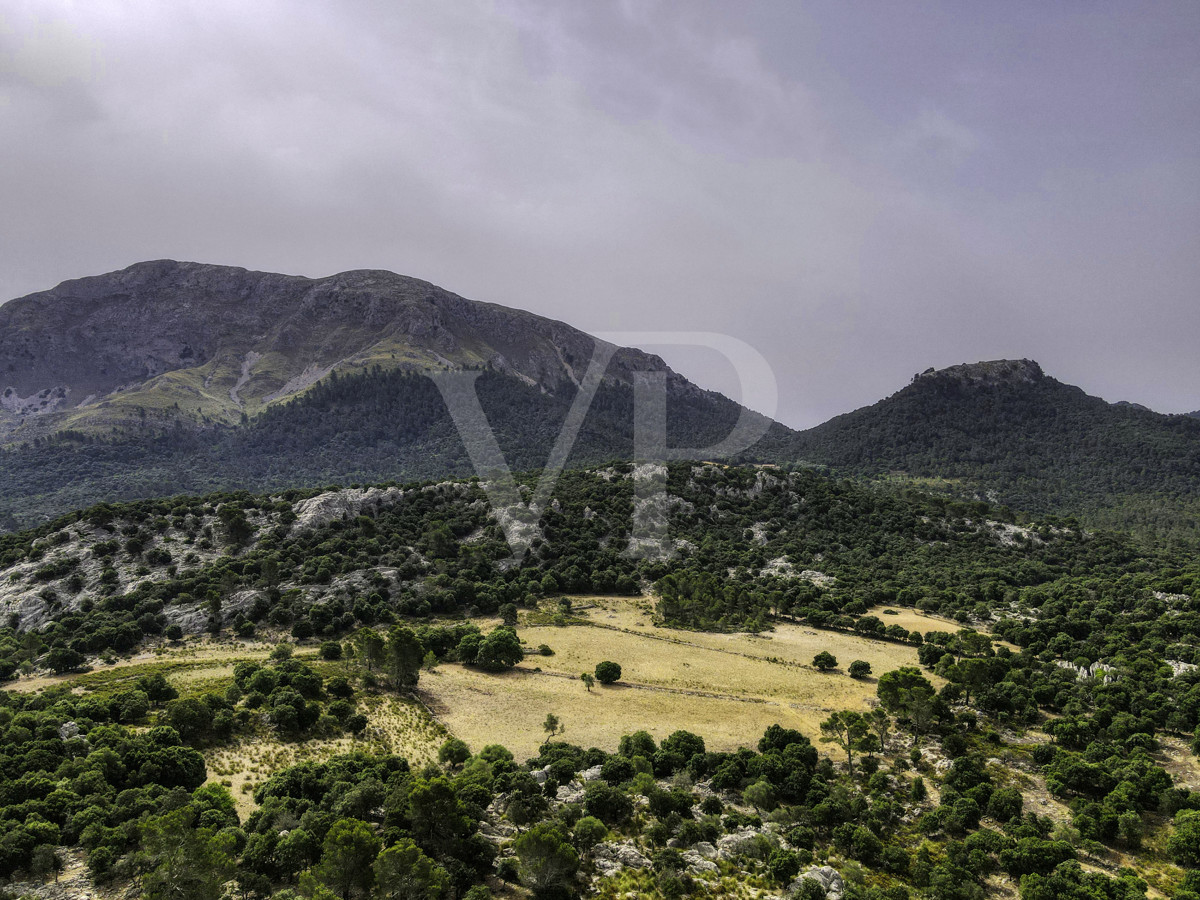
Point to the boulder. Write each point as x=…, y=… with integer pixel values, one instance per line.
x=697, y=863
x=742, y=843
x=569, y=793
x=617, y=856
x=827, y=877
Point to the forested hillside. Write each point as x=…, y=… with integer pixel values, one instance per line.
x=1007, y=431
x=920, y=798
x=367, y=427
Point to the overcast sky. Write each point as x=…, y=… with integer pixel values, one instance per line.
x=859, y=190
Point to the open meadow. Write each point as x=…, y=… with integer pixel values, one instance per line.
x=726, y=687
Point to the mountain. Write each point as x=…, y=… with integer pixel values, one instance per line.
x=172, y=377
x=167, y=341
x=1007, y=431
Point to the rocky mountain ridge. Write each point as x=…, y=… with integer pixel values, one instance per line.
x=168, y=341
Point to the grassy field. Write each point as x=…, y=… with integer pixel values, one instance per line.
x=396, y=726
x=726, y=687
x=914, y=619
x=193, y=667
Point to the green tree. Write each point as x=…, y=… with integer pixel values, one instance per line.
x=824, y=661
x=372, y=648
x=760, y=795
x=184, y=861
x=349, y=849
x=608, y=672
x=860, y=668
x=1184, y=842
x=454, y=751
x=438, y=820
x=588, y=681
x=895, y=687
x=63, y=659
x=403, y=657
x=46, y=860
x=588, y=832
x=552, y=726
x=501, y=649
x=404, y=872
x=908, y=694
x=849, y=730
x=972, y=674
x=547, y=861
x=157, y=688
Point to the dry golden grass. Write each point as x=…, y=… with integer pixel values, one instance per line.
x=193, y=659
x=914, y=619
x=726, y=687
x=396, y=726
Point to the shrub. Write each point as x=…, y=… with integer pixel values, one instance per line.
x=824, y=661
x=608, y=672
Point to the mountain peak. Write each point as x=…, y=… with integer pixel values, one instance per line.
x=988, y=373
x=165, y=341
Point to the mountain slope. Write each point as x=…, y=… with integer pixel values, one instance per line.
x=1007, y=430
x=169, y=377
x=165, y=341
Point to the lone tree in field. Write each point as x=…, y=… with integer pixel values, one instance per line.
x=825, y=661
x=552, y=726
x=588, y=681
x=500, y=650
x=860, y=668
x=607, y=672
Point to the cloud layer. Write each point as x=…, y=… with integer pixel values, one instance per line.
x=858, y=191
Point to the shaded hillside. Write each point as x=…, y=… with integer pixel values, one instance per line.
x=1007, y=431
x=373, y=427
x=171, y=376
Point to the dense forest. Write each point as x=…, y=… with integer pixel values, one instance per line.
x=368, y=427
x=1106, y=642
x=1025, y=441
x=1032, y=442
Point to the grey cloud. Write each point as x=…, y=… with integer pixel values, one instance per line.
x=858, y=195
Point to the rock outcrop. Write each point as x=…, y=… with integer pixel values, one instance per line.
x=827, y=877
